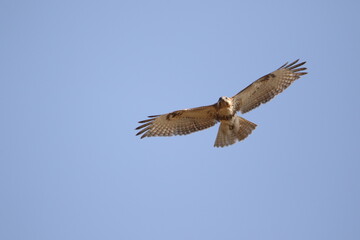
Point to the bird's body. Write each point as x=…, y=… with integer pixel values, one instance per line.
x=232, y=127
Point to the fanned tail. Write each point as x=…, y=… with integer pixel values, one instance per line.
x=232, y=131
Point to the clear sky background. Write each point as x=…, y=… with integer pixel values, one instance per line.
x=76, y=76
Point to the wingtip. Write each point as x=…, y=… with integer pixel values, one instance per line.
x=293, y=64
x=283, y=65
x=142, y=136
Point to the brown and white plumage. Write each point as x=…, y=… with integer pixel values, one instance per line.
x=232, y=128
x=180, y=122
x=268, y=86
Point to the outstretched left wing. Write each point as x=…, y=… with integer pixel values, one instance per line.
x=180, y=122
x=268, y=86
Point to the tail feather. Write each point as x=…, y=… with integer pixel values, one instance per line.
x=232, y=131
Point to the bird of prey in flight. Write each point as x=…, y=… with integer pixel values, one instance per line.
x=232, y=128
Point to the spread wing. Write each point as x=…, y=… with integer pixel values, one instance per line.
x=268, y=86
x=180, y=122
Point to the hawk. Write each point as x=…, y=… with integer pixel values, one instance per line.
x=232, y=128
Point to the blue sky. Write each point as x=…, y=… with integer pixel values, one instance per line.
x=76, y=76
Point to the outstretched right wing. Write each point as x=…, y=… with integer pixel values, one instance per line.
x=180, y=122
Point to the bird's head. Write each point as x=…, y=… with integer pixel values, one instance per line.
x=224, y=102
